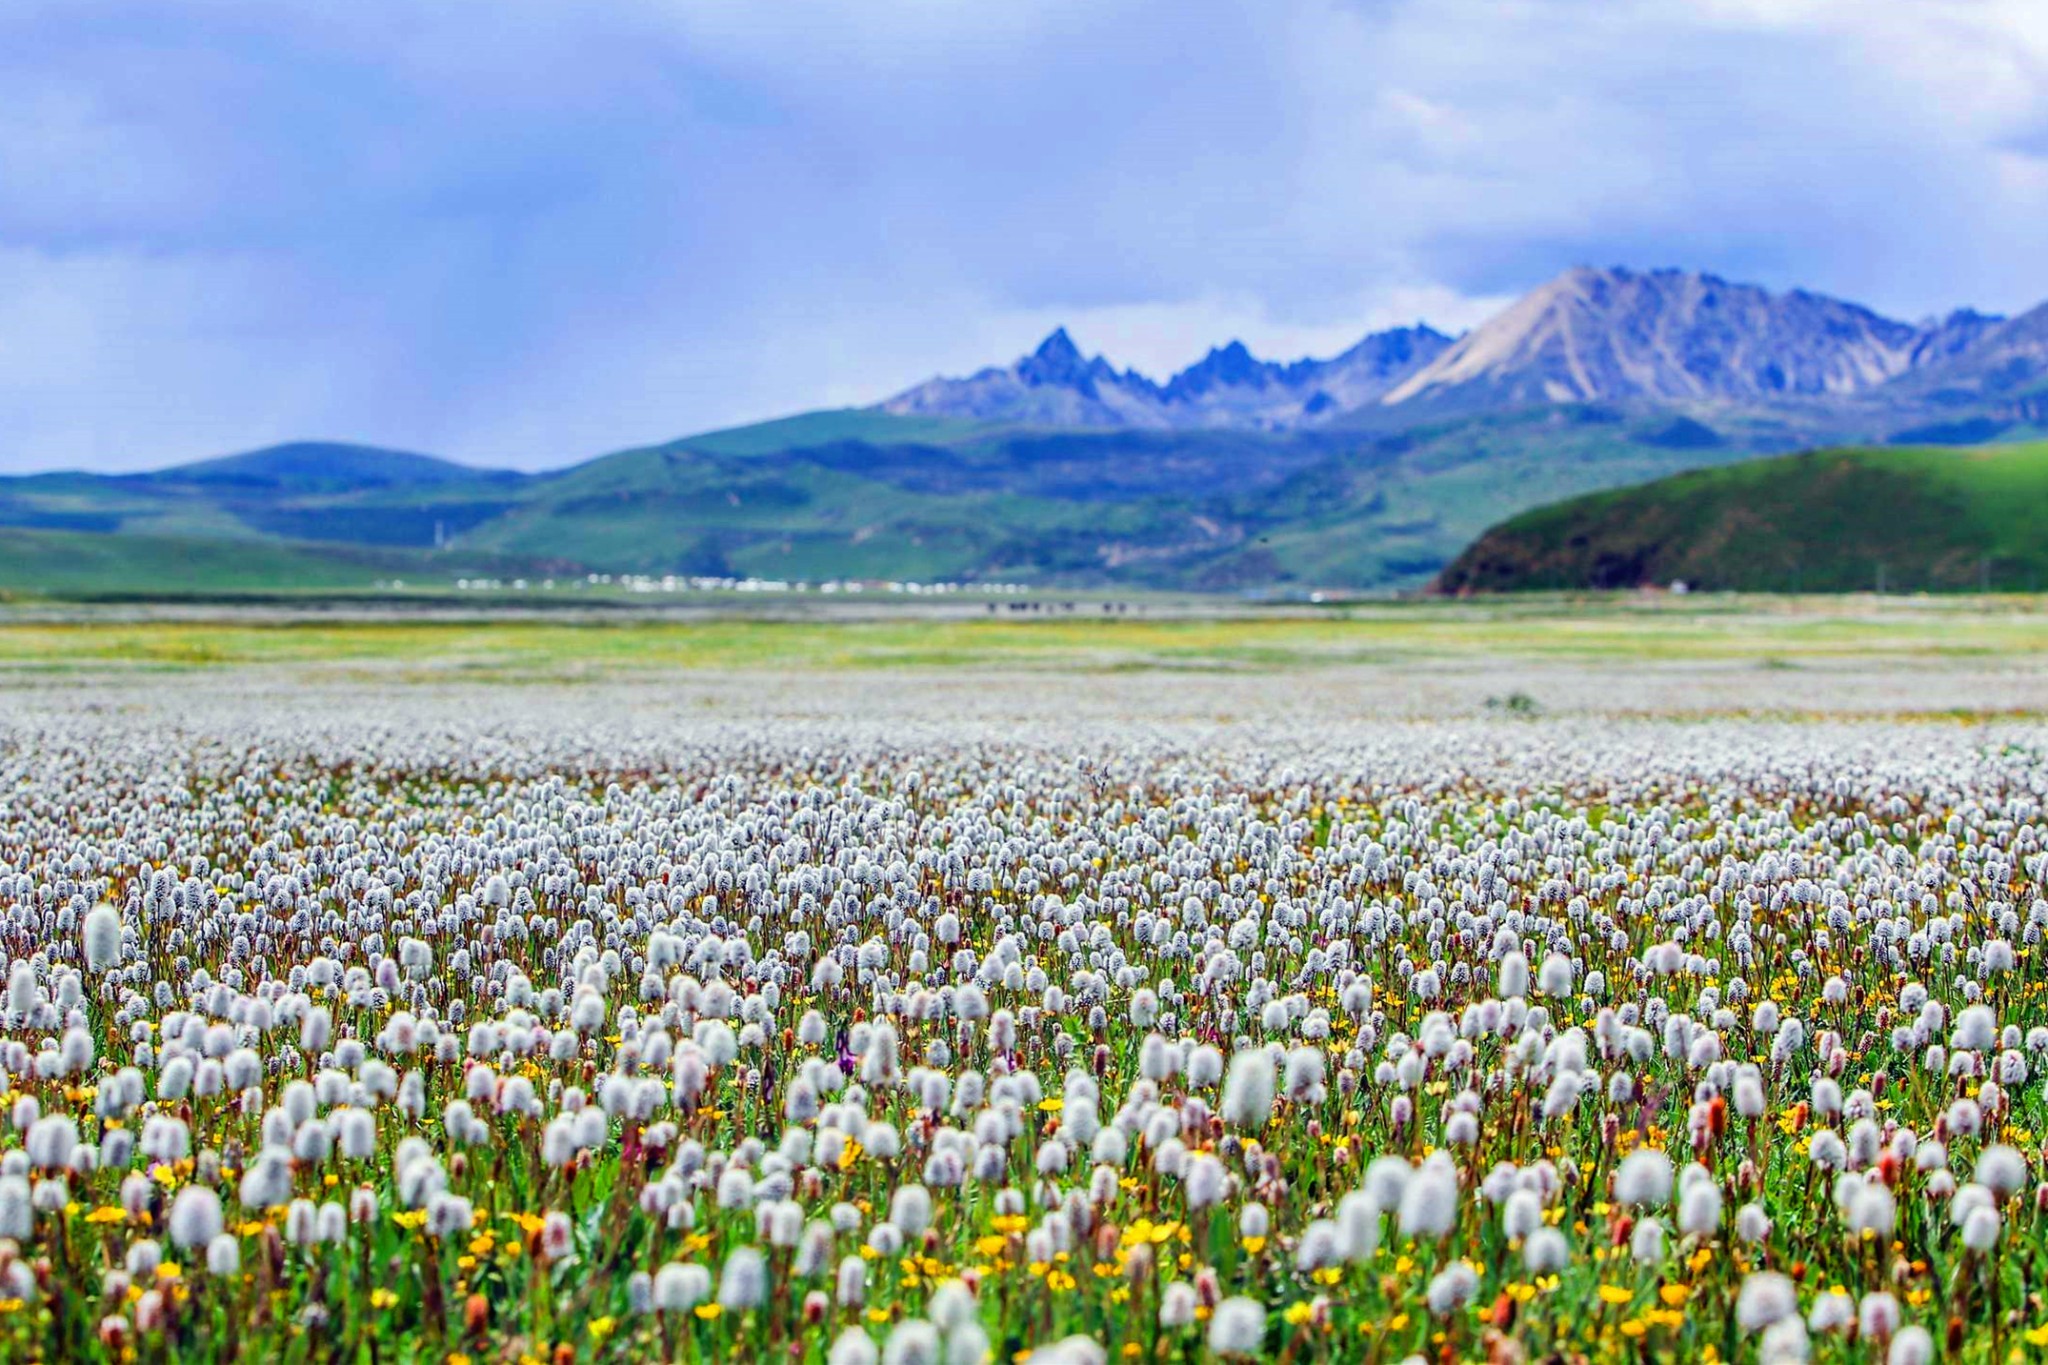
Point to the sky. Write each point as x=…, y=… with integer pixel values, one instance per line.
x=522, y=232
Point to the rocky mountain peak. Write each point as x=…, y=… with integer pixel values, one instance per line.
x=1666, y=335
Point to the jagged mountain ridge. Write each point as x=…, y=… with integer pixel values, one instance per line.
x=1660, y=337
x=1056, y=385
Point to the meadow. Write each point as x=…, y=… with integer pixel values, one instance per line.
x=934, y=989
x=1064, y=635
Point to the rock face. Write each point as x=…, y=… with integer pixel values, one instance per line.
x=2006, y=361
x=1663, y=337
x=1674, y=336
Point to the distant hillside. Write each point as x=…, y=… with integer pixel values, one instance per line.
x=1901, y=519
x=326, y=467
x=1212, y=510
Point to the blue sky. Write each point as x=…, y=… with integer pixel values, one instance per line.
x=525, y=232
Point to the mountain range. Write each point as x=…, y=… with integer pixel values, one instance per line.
x=1368, y=470
x=1588, y=336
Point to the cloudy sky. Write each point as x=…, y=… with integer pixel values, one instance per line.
x=525, y=232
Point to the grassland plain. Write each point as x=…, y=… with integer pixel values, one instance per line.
x=1968, y=660
x=1628, y=627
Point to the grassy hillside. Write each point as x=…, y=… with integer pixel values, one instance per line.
x=1905, y=519
x=857, y=495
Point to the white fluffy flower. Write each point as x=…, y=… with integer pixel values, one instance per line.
x=743, y=1282
x=1248, y=1090
x=1429, y=1201
x=1643, y=1179
x=1765, y=1297
x=101, y=937
x=196, y=1217
x=1237, y=1327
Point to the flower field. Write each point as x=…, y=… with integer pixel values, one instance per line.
x=383, y=1031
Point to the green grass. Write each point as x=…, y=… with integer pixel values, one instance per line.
x=1911, y=518
x=42, y=563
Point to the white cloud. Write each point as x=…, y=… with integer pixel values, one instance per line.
x=524, y=231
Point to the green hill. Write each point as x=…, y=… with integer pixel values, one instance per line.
x=1904, y=519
